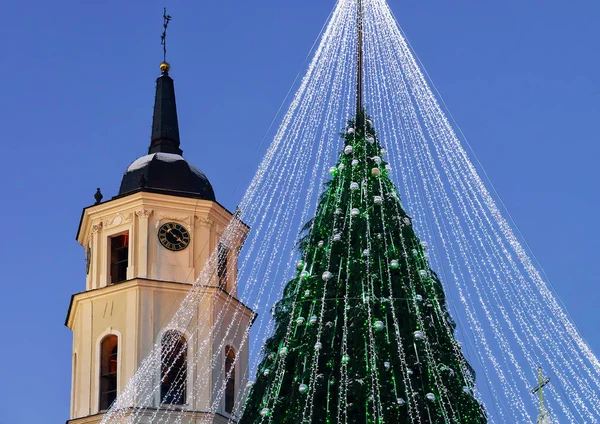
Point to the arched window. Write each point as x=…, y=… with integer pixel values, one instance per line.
x=108, y=370
x=173, y=383
x=229, y=370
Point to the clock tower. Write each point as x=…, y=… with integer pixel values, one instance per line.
x=144, y=249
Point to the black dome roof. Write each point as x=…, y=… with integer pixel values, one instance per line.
x=163, y=169
x=169, y=173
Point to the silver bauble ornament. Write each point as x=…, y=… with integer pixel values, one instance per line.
x=386, y=365
x=394, y=264
x=430, y=396
x=419, y=298
x=348, y=150
x=379, y=325
x=350, y=130
x=303, y=388
x=409, y=371
x=423, y=273
x=266, y=372
x=353, y=186
x=300, y=320
x=338, y=211
x=300, y=265
x=321, y=243
x=307, y=293
x=341, y=166
x=337, y=237
x=327, y=276
x=312, y=320
x=354, y=162
x=283, y=351
x=370, y=140
x=419, y=335
x=332, y=171
x=366, y=252
x=265, y=412
x=354, y=212
x=376, y=159
x=378, y=200
x=400, y=401
x=304, y=274
x=424, y=245
x=318, y=345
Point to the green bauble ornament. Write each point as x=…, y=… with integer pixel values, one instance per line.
x=394, y=264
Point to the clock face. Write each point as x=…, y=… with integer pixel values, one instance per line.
x=173, y=236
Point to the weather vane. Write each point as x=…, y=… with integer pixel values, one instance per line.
x=163, y=37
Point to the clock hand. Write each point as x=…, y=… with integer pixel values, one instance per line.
x=174, y=235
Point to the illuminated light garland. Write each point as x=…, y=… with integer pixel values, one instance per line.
x=506, y=314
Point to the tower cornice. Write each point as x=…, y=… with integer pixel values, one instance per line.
x=140, y=283
x=146, y=199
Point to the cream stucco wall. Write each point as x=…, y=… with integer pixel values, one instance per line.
x=138, y=310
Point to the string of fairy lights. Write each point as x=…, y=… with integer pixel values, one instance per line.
x=509, y=322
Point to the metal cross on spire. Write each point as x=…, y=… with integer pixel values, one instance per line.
x=163, y=37
x=539, y=388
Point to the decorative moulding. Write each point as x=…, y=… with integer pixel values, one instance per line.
x=206, y=222
x=118, y=219
x=179, y=218
x=96, y=227
x=144, y=213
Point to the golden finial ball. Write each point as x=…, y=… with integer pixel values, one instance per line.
x=164, y=67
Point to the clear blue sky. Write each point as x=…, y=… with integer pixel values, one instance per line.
x=521, y=78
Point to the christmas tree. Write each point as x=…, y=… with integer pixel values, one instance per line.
x=362, y=333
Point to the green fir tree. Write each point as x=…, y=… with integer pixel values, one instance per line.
x=362, y=333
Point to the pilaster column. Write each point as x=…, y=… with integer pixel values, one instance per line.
x=142, y=242
x=203, y=242
x=96, y=258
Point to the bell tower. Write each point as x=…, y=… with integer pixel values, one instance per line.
x=144, y=248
